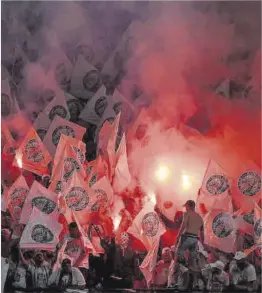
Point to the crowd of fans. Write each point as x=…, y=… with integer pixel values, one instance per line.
x=181, y=267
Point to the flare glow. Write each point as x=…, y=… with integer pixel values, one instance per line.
x=116, y=222
x=162, y=173
x=186, y=181
x=19, y=161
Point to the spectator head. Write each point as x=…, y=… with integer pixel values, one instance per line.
x=190, y=205
x=217, y=267
x=29, y=254
x=211, y=258
x=38, y=258
x=166, y=254
x=66, y=265
x=241, y=259
x=73, y=230
x=49, y=254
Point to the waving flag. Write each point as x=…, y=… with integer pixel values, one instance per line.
x=41, y=125
x=8, y=142
x=16, y=195
x=122, y=175
x=41, y=232
x=34, y=155
x=61, y=126
x=148, y=228
x=78, y=200
x=57, y=106
x=215, y=187
x=104, y=194
x=85, y=79
x=40, y=198
x=220, y=230
x=244, y=222
x=103, y=137
x=95, y=108
x=247, y=187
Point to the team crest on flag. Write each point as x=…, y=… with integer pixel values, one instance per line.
x=258, y=227
x=77, y=199
x=45, y=205
x=70, y=165
x=249, y=183
x=217, y=184
x=223, y=225
x=63, y=129
x=41, y=234
x=249, y=218
x=150, y=224
x=57, y=110
x=80, y=155
x=102, y=199
x=18, y=197
x=33, y=151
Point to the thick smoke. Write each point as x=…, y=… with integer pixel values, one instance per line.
x=181, y=53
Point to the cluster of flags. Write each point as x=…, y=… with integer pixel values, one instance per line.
x=229, y=205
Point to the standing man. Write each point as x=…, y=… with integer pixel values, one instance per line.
x=192, y=227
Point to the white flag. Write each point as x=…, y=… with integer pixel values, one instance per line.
x=41, y=232
x=40, y=198
x=148, y=228
x=61, y=126
x=41, y=125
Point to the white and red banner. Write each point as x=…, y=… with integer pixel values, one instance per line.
x=33, y=154
x=41, y=232
x=16, y=196
x=220, y=230
x=148, y=228
x=40, y=198
x=58, y=127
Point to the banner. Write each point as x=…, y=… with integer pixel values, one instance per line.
x=215, y=187
x=41, y=125
x=61, y=126
x=122, y=176
x=16, y=195
x=220, y=230
x=245, y=223
x=78, y=200
x=104, y=194
x=75, y=106
x=247, y=187
x=96, y=106
x=85, y=79
x=57, y=106
x=40, y=198
x=148, y=228
x=34, y=155
x=41, y=232
x=103, y=137
x=8, y=144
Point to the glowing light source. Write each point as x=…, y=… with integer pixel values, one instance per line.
x=19, y=160
x=116, y=221
x=162, y=173
x=186, y=182
x=152, y=197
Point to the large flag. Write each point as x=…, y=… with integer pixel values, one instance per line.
x=258, y=223
x=148, y=228
x=61, y=126
x=75, y=106
x=95, y=108
x=104, y=194
x=220, y=230
x=41, y=232
x=8, y=143
x=40, y=198
x=66, y=163
x=244, y=222
x=122, y=176
x=41, y=125
x=215, y=187
x=33, y=154
x=85, y=79
x=103, y=137
x=57, y=106
x=16, y=196
x=78, y=200
x=247, y=187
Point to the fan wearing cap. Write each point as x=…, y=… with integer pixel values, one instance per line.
x=243, y=274
x=191, y=227
x=217, y=279
x=67, y=277
x=160, y=277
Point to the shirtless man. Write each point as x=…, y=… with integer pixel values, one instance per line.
x=191, y=227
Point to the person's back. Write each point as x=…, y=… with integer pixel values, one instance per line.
x=194, y=223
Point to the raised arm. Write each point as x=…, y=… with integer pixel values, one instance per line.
x=173, y=225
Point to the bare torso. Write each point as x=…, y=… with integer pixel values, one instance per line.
x=193, y=222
